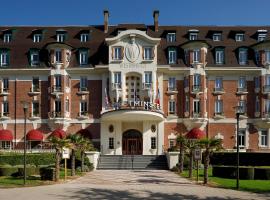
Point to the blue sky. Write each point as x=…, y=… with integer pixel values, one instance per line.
x=172, y=12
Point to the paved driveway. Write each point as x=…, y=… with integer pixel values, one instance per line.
x=127, y=184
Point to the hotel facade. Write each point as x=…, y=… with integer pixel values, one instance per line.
x=133, y=88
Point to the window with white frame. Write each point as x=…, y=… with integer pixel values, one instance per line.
x=243, y=106
x=67, y=105
x=267, y=56
x=57, y=106
x=242, y=138
x=111, y=143
x=219, y=106
x=218, y=83
x=219, y=56
x=196, y=106
x=35, y=84
x=186, y=103
x=171, y=37
x=257, y=82
x=242, y=82
x=5, y=85
x=84, y=37
x=58, y=56
x=83, y=83
x=35, y=108
x=37, y=37
x=58, y=80
x=239, y=37
x=148, y=53
x=257, y=104
x=153, y=143
x=83, y=108
x=147, y=79
x=7, y=37
x=171, y=143
x=262, y=36
x=117, y=53
x=243, y=56
x=196, y=55
x=217, y=37
x=117, y=79
x=4, y=58
x=267, y=107
x=172, y=55
x=193, y=36
x=60, y=37
x=197, y=80
x=172, y=107
x=5, y=108
x=34, y=58
x=186, y=82
x=172, y=84
x=5, y=144
x=83, y=57
x=264, y=138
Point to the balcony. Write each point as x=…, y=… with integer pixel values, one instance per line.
x=172, y=90
x=196, y=89
x=241, y=90
x=56, y=114
x=219, y=115
x=4, y=92
x=56, y=90
x=196, y=114
x=117, y=59
x=147, y=86
x=116, y=86
x=34, y=116
x=83, y=91
x=34, y=90
x=218, y=91
x=266, y=89
x=83, y=115
x=4, y=116
x=186, y=89
x=148, y=59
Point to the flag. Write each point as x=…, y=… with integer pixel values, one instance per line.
x=106, y=99
x=158, y=97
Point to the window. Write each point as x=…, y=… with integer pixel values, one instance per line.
x=218, y=106
x=193, y=36
x=5, y=144
x=84, y=37
x=196, y=55
x=257, y=105
x=218, y=83
x=83, y=57
x=148, y=53
x=35, y=109
x=147, y=79
x=217, y=37
x=171, y=143
x=117, y=53
x=264, y=138
x=172, y=55
x=257, y=82
x=35, y=84
x=117, y=79
x=267, y=107
x=171, y=37
x=242, y=138
x=34, y=58
x=83, y=83
x=172, y=84
x=261, y=35
x=239, y=37
x=243, y=105
x=267, y=56
x=243, y=56
x=57, y=106
x=7, y=37
x=58, y=84
x=60, y=37
x=37, y=38
x=187, y=104
x=219, y=56
x=4, y=58
x=172, y=108
x=197, y=80
x=5, y=108
x=5, y=85
x=58, y=56
x=242, y=82
x=83, y=108
x=196, y=106
x=111, y=143
x=67, y=105
x=153, y=143
x=186, y=82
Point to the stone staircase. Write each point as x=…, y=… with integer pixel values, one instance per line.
x=139, y=162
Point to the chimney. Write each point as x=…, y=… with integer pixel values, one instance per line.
x=106, y=21
x=155, y=15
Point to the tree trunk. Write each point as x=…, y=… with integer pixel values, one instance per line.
x=181, y=158
x=72, y=162
x=57, y=164
x=206, y=165
x=82, y=161
x=190, y=163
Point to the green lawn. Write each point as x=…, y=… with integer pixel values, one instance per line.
x=246, y=185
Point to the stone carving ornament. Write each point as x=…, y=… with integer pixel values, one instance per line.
x=132, y=50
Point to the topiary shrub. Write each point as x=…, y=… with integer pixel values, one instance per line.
x=262, y=174
x=8, y=170
x=30, y=170
x=47, y=173
x=245, y=173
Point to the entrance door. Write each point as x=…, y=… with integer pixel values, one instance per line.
x=132, y=143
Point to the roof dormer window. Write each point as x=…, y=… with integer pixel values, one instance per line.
x=193, y=34
x=261, y=35
x=217, y=37
x=84, y=37
x=7, y=37
x=239, y=37
x=37, y=38
x=61, y=35
x=171, y=37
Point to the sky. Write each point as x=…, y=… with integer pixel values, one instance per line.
x=172, y=12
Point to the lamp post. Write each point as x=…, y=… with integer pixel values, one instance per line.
x=238, y=111
x=25, y=109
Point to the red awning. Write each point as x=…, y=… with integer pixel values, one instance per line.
x=195, y=133
x=85, y=133
x=6, y=135
x=34, y=135
x=59, y=133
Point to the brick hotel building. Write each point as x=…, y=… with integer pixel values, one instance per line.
x=132, y=88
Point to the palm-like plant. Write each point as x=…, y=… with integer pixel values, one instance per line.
x=85, y=144
x=181, y=140
x=209, y=144
x=75, y=141
x=191, y=144
x=58, y=144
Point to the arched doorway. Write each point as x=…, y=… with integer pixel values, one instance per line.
x=132, y=142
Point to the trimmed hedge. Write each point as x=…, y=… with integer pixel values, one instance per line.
x=245, y=159
x=245, y=173
x=32, y=159
x=29, y=171
x=47, y=174
x=8, y=170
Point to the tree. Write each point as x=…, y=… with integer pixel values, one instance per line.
x=210, y=145
x=58, y=144
x=85, y=144
x=191, y=144
x=181, y=140
x=75, y=141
